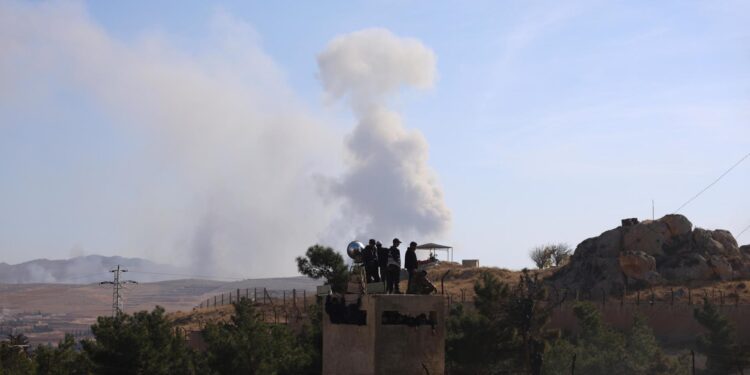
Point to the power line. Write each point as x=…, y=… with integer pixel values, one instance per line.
x=117, y=285
x=743, y=231
x=713, y=183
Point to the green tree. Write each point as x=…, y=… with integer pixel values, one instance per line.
x=310, y=337
x=324, y=262
x=14, y=357
x=247, y=345
x=506, y=331
x=61, y=360
x=719, y=344
x=599, y=349
x=471, y=344
x=142, y=343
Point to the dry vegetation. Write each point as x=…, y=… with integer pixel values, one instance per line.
x=459, y=278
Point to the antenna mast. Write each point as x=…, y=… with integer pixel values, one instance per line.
x=117, y=285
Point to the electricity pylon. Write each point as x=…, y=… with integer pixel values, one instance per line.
x=117, y=285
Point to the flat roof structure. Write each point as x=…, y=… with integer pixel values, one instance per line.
x=385, y=334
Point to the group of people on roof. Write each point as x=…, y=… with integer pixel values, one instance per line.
x=384, y=264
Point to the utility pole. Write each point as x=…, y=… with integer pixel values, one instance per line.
x=117, y=285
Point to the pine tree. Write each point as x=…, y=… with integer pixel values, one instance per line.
x=719, y=344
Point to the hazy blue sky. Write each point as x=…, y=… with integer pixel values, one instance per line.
x=548, y=121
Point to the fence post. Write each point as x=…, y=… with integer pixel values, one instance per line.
x=238, y=294
x=275, y=315
x=304, y=299
x=247, y=294
x=264, y=295
x=573, y=365
x=692, y=357
x=255, y=294
x=222, y=299
x=294, y=298
x=214, y=301
x=283, y=297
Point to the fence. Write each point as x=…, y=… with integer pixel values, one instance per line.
x=669, y=313
x=275, y=306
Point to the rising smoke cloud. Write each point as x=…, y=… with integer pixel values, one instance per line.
x=220, y=177
x=221, y=157
x=388, y=188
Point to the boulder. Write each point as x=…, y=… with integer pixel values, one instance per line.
x=678, y=225
x=607, y=245
x=648, y=236
x=721, y=267
x=637, y=265
x=653, y=252
x=704, y=243
x=727, y=241
x=689, y=267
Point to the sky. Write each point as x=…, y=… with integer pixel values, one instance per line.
x=229, y=136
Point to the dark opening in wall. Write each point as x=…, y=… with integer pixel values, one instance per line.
x=411, y=320
x=339, y=312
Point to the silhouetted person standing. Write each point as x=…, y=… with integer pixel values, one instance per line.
x=410, y=263
x=394, y=267
x=382, y=260
x=370, y=258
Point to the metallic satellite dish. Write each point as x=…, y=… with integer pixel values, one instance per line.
x=355, y=250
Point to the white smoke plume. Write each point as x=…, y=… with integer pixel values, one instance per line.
x=220, y=177
x=389, y=189
x=215, y=157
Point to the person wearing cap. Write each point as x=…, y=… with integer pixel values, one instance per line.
x=382, y=253
x=370, y=259
x=394, y=268
x=410, y=263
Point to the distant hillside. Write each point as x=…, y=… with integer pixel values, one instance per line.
x=85, y=269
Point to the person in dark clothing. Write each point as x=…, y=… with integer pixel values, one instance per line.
x=370, y=259
x=394, y=268
x=410, y=263
x=382, y=260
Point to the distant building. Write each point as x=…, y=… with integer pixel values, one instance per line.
x=470, y=263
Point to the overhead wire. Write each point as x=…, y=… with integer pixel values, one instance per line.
x=712, y=183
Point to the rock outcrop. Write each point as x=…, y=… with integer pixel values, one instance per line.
x=639, y=254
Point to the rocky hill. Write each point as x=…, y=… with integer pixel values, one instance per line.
x=667, y=251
